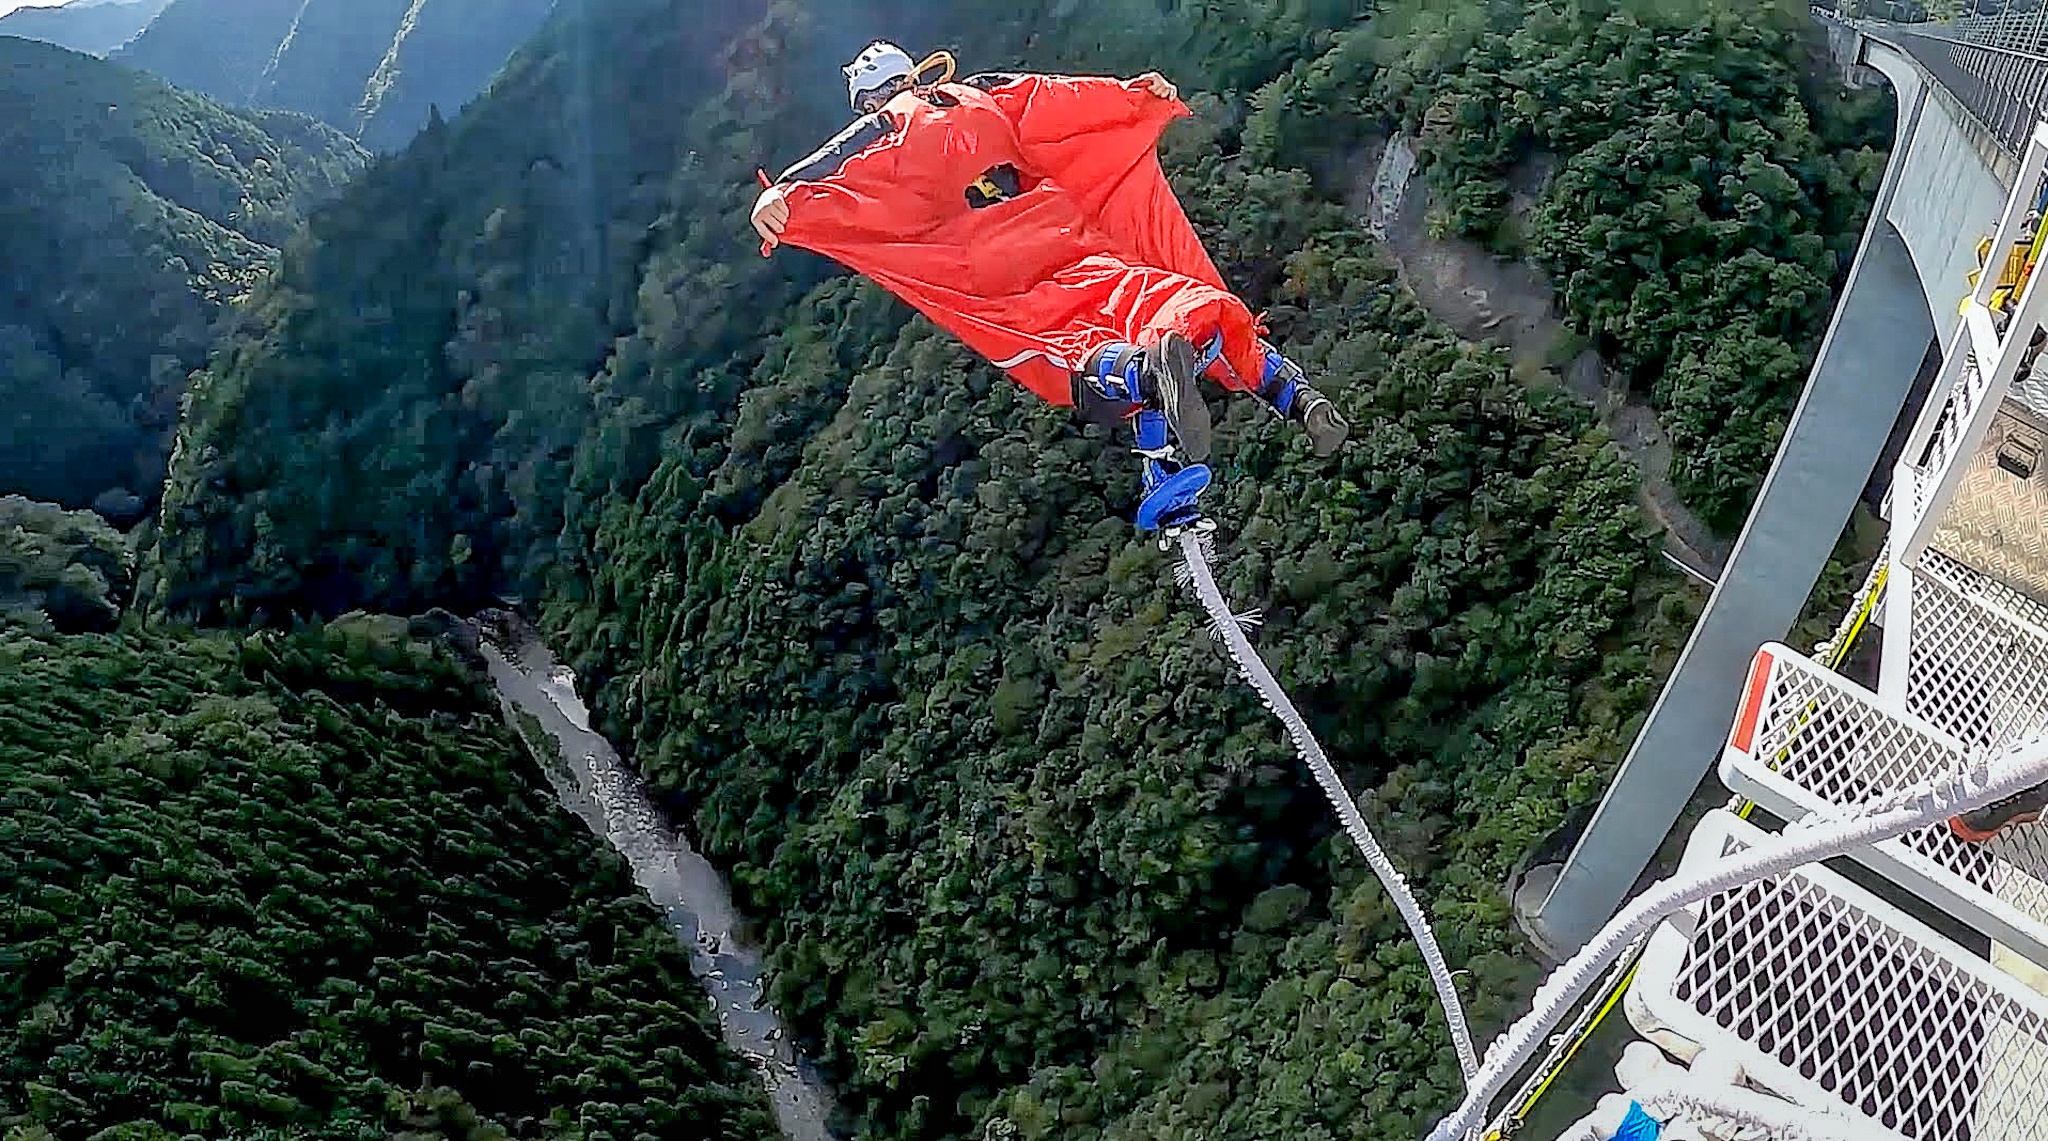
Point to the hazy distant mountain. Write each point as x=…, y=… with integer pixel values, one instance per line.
x=95, y=27
x=370, y=68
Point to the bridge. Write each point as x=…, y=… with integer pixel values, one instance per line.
x=1851, y=948
x=1968, y=96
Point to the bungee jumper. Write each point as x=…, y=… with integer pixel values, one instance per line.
x=1028, y=216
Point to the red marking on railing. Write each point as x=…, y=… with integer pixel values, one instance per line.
x=1752, y=702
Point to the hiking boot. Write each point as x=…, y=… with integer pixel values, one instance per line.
x=1326, y=429
x=1286, y=388
x=1988, y=821
x=1171, y=369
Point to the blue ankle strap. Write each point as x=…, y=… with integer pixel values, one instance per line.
x=1151, y=430
x=1281, y=398
x=1119, y=368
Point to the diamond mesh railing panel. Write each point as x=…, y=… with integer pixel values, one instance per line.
x=1986, y=591
x=1923, y=472
x=1823, y=745
x=1974, y=672
x=1824, y=993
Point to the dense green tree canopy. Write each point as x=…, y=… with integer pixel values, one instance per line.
x=577, y=284
x=300, y=887
x=130, y=215
x=1707, y=196
x=64, y=569
x=1008, y=821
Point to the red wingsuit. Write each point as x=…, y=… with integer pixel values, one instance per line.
x=1094, y=249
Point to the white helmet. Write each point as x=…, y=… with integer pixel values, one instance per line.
x=879, y=63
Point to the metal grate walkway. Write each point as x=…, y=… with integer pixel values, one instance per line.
x=1827, y=994
x=1818, y=990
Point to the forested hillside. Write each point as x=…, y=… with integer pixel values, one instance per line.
x=575, y=278
x=94, y=27
x=1008, y=817
x=131, y=214
x=1029, y=863
x=61, y=570
x=1707, y=186
x=530, y=300
x=373, y=69
x=310, y=887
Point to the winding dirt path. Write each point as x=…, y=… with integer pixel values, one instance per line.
x=1492, y=300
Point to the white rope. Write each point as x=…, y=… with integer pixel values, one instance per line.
x=1194, y=572
x=1979, y=782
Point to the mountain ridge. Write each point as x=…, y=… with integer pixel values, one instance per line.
x=371, y=69
x=95, y=27
x=140, y=213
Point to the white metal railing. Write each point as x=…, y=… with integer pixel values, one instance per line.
x=1976, y=374
x=1987, y=592
x=1974, y=669
x=1809, y=742
x=1996, y=65
x=1828, y=996
x=1983, y=778
x=2006, y=28
x=1929, y=453
x=1821, y=992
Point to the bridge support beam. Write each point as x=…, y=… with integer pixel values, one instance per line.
x=1880, y=334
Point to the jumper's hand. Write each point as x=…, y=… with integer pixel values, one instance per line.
x=771, y=217
x=1157, y=84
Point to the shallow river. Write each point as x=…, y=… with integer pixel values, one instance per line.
x=607, y=794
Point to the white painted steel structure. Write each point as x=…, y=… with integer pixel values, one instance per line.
x=1848, y=1000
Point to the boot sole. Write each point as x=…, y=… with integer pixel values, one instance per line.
x=1173, y=363
x=1326, y=430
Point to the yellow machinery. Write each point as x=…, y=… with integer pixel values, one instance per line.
x=2018, y=267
